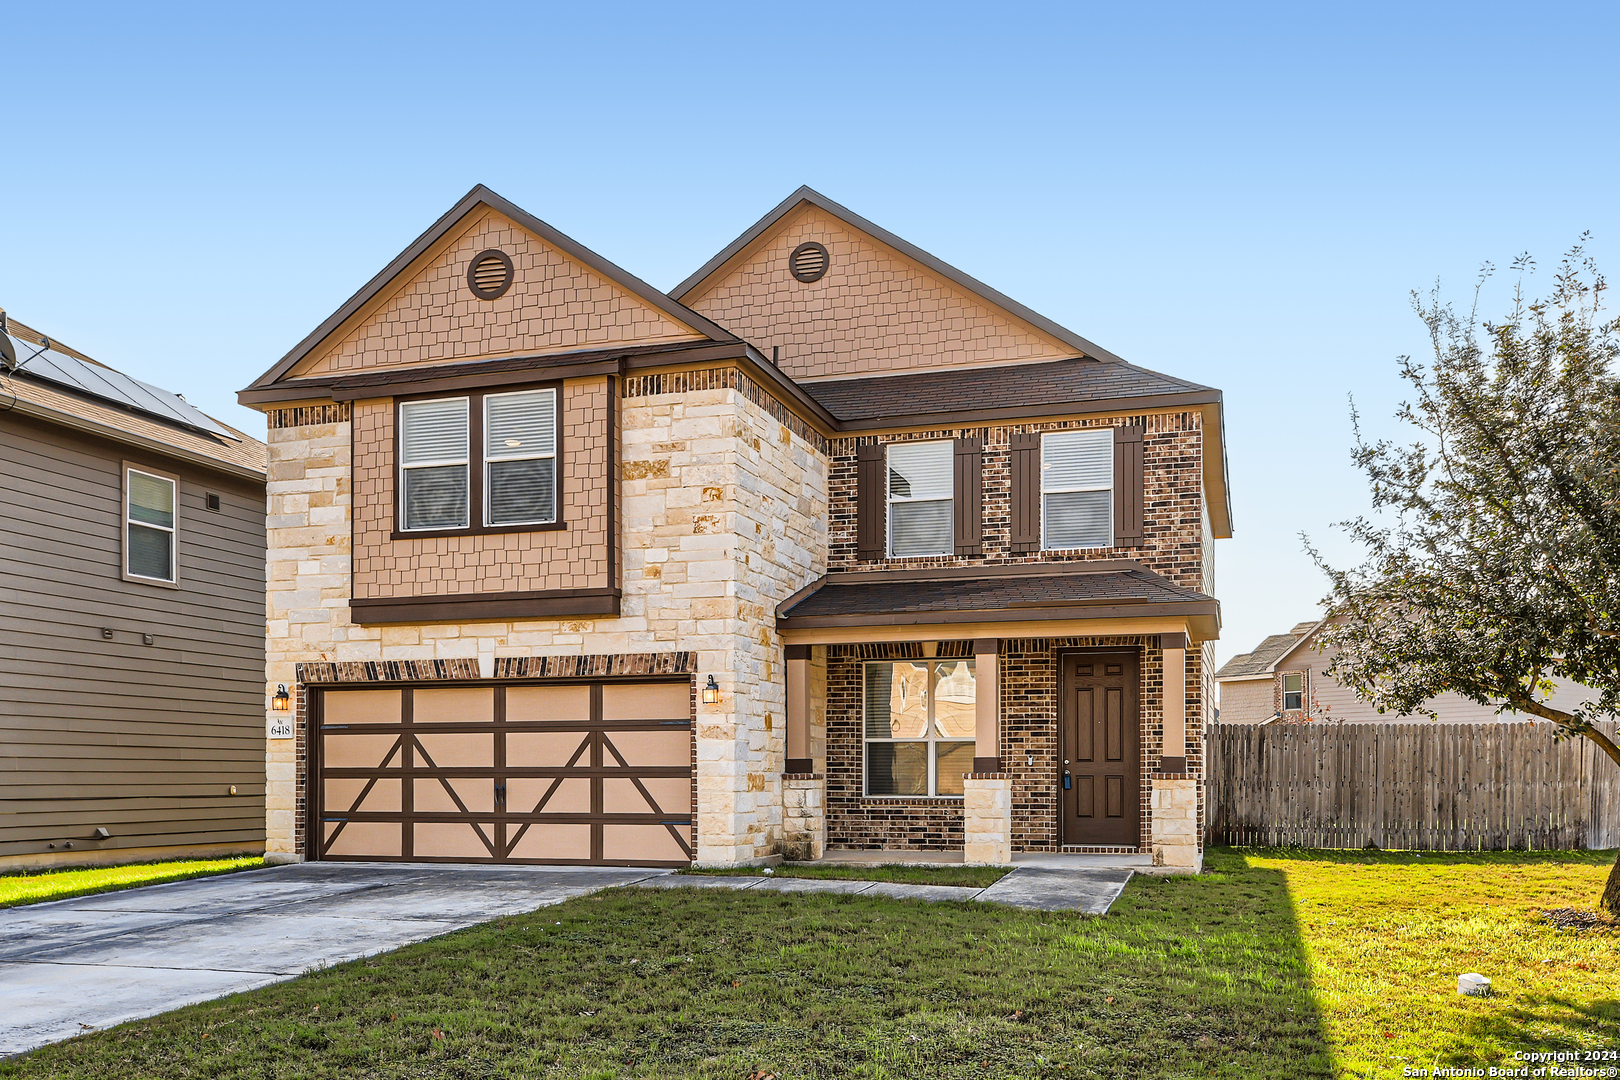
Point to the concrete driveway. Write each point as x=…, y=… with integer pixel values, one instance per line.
x=70, y=966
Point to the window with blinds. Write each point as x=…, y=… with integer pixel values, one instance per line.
x=433, y=444
x=149, y=526
x=920, y=507
x=919, y=720
x=520, y=458
x=1077, y=481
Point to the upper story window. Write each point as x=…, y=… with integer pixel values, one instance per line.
x=1293, y=697
x=515, y=482
x=1077, y=481
x=919, y=717
x=919, y=494
x=149, y=526
x=520, y=458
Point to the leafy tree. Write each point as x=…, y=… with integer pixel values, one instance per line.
x=1495, y=563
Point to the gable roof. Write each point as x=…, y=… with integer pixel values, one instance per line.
x=1021, y=390
x=481, y=196
x=1270, y=652
x=938, y=266
x=63, y=386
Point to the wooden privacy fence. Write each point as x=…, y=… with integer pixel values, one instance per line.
x=1434, y=787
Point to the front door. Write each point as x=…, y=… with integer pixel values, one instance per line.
x=1099, y=750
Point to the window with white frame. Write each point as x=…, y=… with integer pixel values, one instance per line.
x=1077, y=489
x=919, y=722
x=1293, y=691
x=433, y=479
x=149, y=526
x=520, y=458
x=512, y=484
x=919, y=511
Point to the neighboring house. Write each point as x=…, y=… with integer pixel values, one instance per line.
x=1285, y=678
x=833, y=546
x=132, y=613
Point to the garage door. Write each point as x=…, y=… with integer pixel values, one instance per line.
x=557, y=773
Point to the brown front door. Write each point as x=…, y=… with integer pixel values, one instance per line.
x=595, y=772
x=1099, y=750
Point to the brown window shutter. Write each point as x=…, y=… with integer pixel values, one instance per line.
x=870, y=502
x=968, y=494
x=1026, y=493
x=1128, y=493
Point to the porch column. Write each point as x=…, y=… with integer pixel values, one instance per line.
x=804, y=815
x=987, y=706
x=1173, y=799
x=986, y=791
x=1173, y=757
x=798, y=710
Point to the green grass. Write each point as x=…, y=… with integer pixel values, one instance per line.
x=1388, y=934
x=972, y=877
x=1271, y=964
x=31, y=887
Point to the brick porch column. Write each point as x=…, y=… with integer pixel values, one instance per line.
x=804, y=802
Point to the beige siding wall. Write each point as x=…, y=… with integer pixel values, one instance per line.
x=724, y=514
x=1246, y=702
x=874, y=311
x=554, y=304
x=576, y=557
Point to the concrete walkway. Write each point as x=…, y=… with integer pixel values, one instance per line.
x=72, y=966
x=1088, y=891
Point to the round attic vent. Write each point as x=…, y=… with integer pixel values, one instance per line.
x=808, y=262
x=489, y=274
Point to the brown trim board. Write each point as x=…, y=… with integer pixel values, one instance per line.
x=556, y=603
x=1045, y=612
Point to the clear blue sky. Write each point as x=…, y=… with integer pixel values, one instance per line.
x=1243, y=195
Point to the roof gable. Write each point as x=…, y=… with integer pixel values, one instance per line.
x=419, y=310
x=883, y=305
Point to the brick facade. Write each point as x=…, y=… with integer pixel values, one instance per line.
x=1173, y=500
x=1029, y=751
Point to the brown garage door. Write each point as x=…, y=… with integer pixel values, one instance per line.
x=558, y=773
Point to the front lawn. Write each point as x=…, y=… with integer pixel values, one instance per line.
x=33, y=886
x=1271, y=964
x=972, y=877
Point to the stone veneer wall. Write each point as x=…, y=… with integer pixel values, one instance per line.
x=723, y=517
x=1173, y=504
x=1028, y=670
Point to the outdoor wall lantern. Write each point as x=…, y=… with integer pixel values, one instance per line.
x=283, y=700
x=711, y=692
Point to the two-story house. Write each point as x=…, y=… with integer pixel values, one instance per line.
x=831, y=547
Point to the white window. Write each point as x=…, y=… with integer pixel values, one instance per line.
x=1293, y=691
x=149, y=524
x=1077, y=481
x=920, y=481
x=520, y=458
x=919, y=718
x=433, y=464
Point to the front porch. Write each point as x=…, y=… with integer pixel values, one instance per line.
x=987, y=720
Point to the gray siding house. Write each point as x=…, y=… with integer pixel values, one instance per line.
x=132, y=615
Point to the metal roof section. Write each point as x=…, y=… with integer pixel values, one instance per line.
x=36, y=359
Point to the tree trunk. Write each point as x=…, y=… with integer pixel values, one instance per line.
x=1611, y=893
